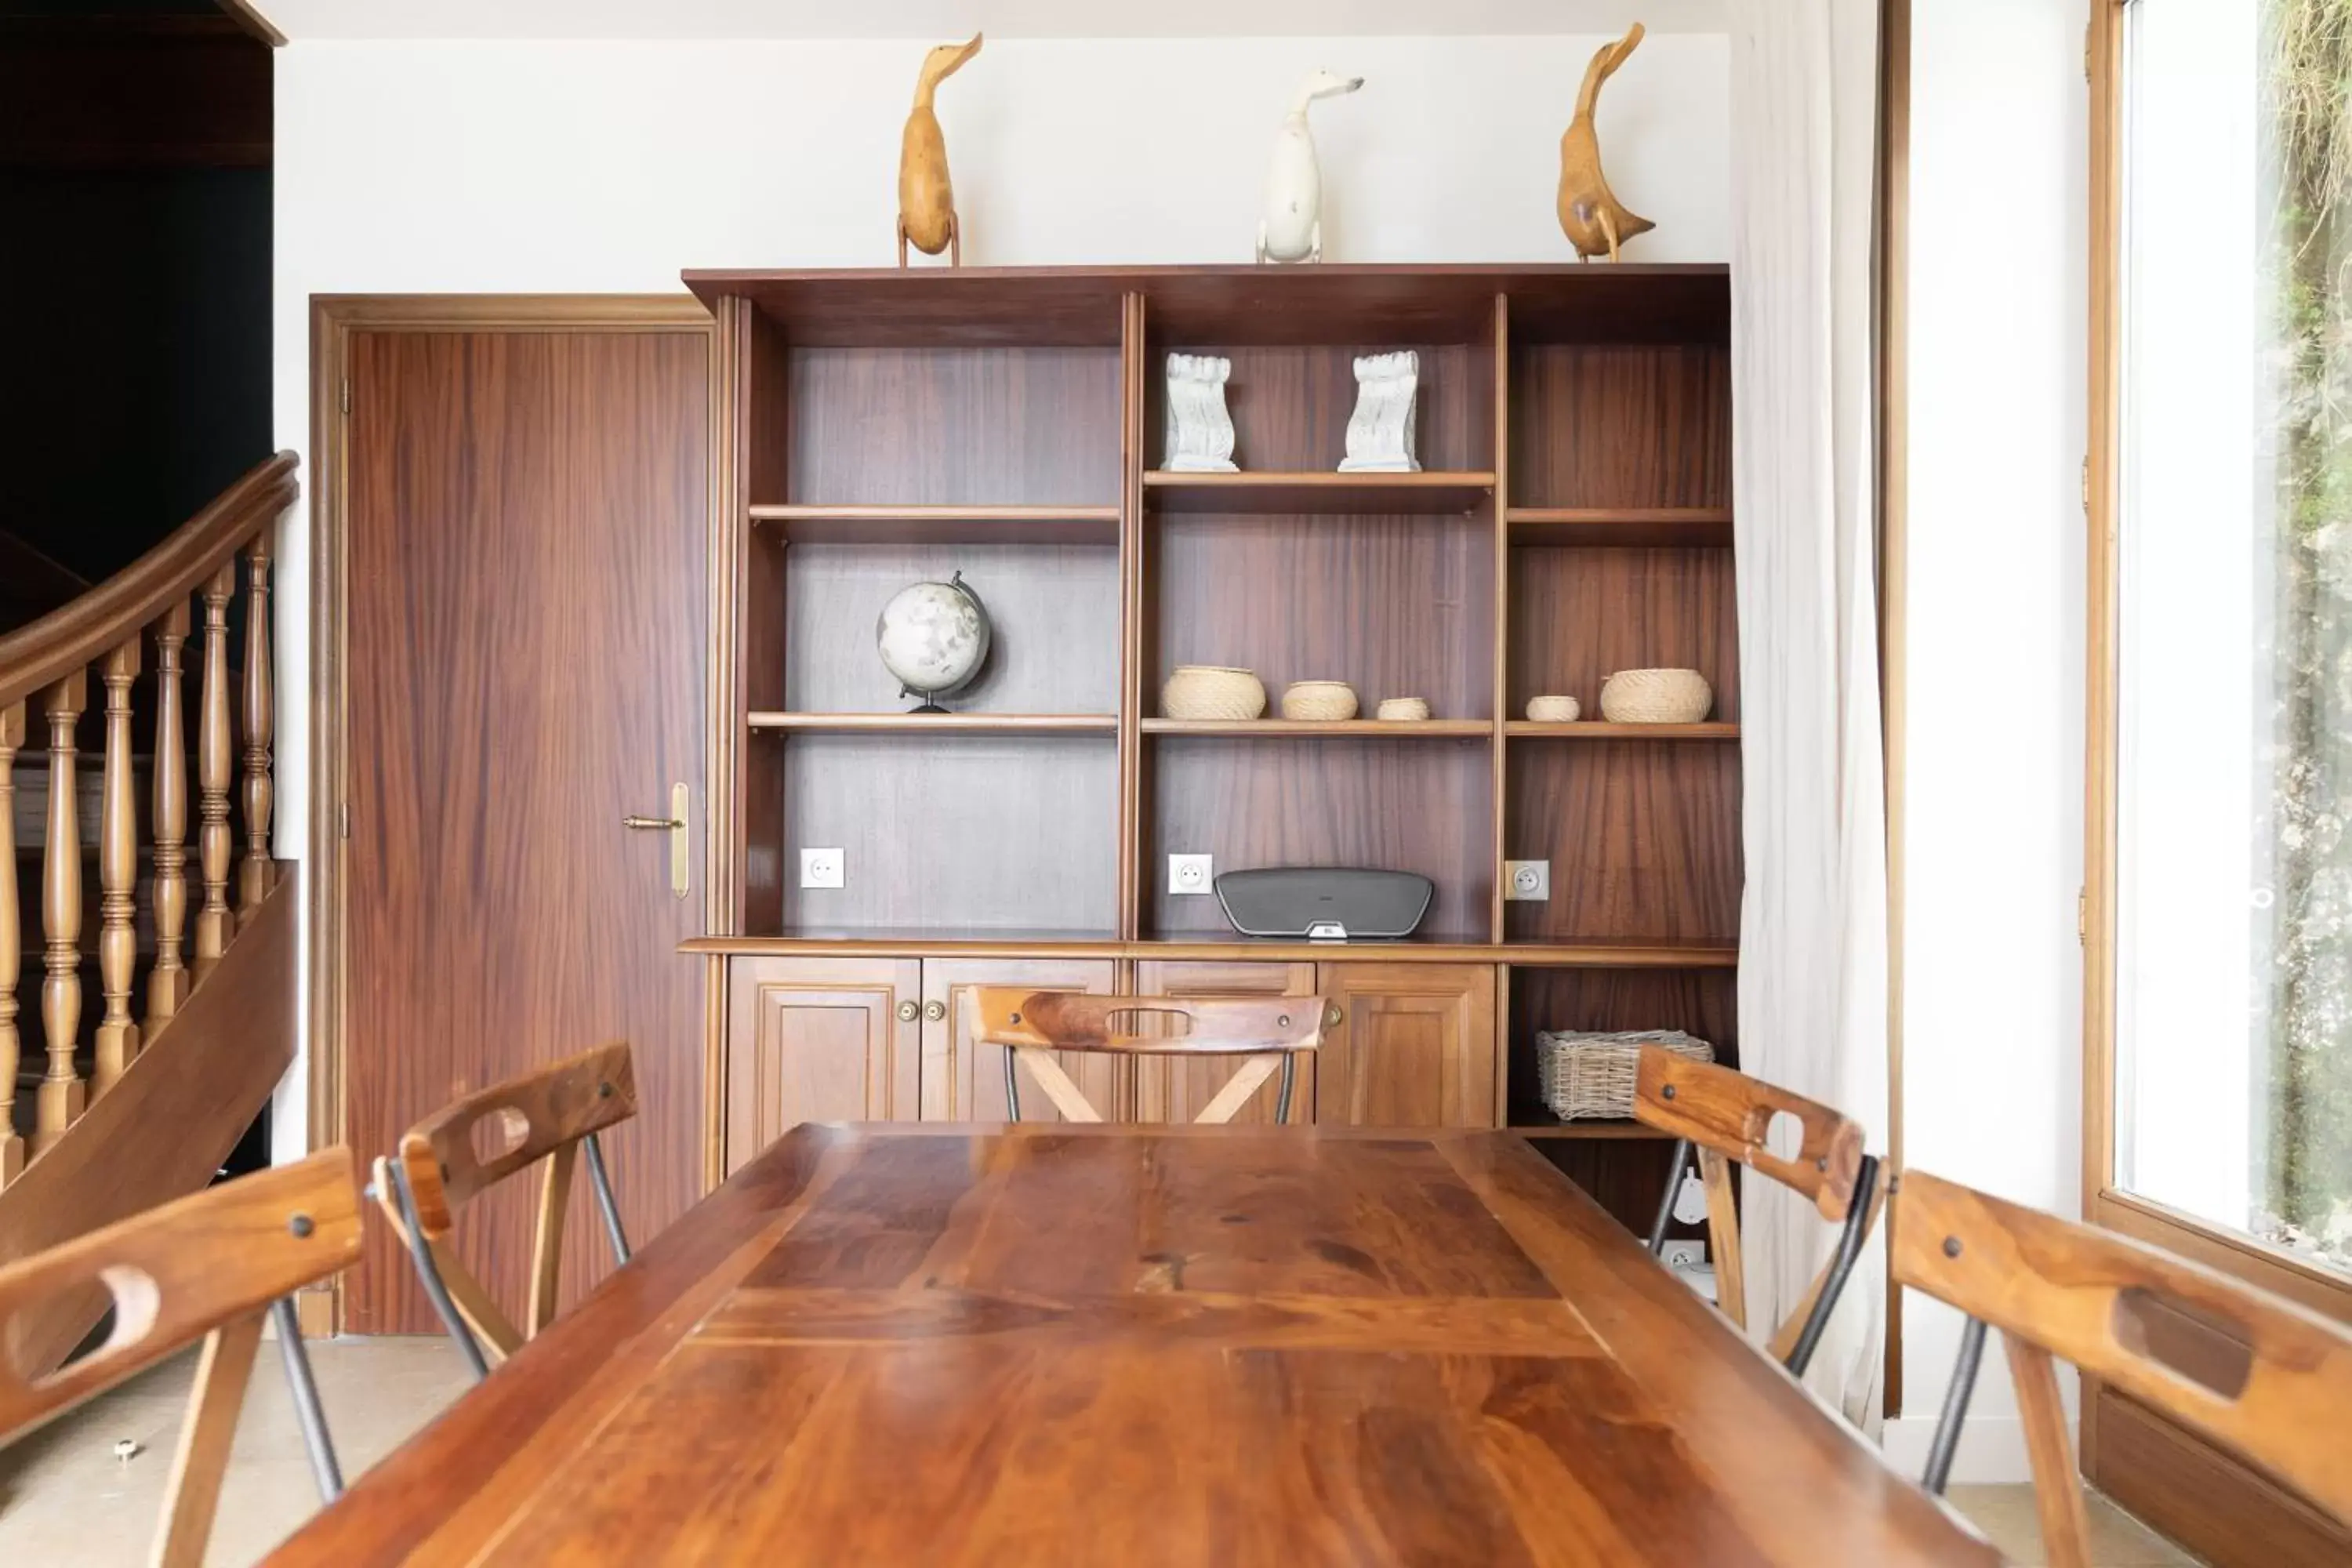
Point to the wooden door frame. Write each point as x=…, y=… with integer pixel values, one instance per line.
x=333, y=318
x=2228, y=1497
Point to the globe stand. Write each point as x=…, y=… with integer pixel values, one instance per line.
x=931, y=707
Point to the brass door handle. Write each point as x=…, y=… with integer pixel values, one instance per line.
x=680, y=840
x=905, y=1012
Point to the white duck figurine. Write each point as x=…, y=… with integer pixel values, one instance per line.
x=1292, y=229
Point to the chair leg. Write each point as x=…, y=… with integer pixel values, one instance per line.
x=1012, y=1089
x=428, y=1274
x=601, y=1184
x=1849, y=1249
x=323, y=1467
x=1955, y=1409
x=1282, y=1096
x=1675, y=1164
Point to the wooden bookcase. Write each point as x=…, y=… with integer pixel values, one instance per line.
x=1573, y=518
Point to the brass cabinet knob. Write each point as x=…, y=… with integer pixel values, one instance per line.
x=1332, y=1017
x=905, y=1012
x=935, y=1011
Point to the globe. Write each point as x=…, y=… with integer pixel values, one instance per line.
x=933, y=638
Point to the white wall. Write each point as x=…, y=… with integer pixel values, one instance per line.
x=552, y=167
x=1993, y=769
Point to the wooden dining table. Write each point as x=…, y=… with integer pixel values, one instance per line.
x=1113, y=1345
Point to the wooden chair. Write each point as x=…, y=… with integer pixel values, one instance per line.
x=2255, y=1373
x=1727, y=1115
x=471, y=1145
x=214, y=1265
x=1267, y=1031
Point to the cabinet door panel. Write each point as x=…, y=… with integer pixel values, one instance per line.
x=1176, y=1089
x=817, y=1039
x=1415, y=1046
x=963, y=1080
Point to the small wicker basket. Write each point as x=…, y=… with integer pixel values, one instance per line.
x=1321, y=702
x=1655, y=696
x=1583, y=1075
x=1554, y=709
x=1212, y=691
x=1402, y=710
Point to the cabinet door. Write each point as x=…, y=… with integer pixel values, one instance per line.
x=818, y=1040
x=1413, y=1046
x=963, y=1080
x=1174, y=1089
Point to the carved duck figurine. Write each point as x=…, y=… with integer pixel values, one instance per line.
x=927, y=214
x=1292, y=229
x=1591, y=216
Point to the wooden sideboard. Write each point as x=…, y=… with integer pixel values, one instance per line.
x=1572, y=518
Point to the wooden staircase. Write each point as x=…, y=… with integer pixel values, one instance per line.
x=149, y=1076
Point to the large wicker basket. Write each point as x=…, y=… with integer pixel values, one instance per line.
x=1655, y=696
x=1583, y=1075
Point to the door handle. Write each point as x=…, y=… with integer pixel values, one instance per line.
x=675, y=825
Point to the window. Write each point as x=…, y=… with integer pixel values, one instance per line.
x=2232, y=1092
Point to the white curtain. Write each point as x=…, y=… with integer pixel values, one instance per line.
x=1813, y=969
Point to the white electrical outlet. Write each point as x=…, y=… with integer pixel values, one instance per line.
x=1690, y=1199
x=823, y=868
x=1685, y=1255
x=1191, y=873
x=1527, y=879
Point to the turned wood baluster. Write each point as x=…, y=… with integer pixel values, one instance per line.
x=167, y=986
x=117, y=876
x=11, y=942
x=254, y=876
x=60, y=1098
x=215, y=844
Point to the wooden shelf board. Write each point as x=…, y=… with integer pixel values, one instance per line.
x=1601, y=729
x=1535, y=1121
x=1212, y=946
x=1396, y=729
x=939, y=723
x=1637, y=527
x=861, y=524
x=1429, y=491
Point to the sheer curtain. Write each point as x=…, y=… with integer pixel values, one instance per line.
x=1812, y=970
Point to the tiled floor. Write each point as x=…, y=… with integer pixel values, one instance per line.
x=65, y=1502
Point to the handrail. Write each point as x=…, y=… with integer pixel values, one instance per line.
x=71, y=638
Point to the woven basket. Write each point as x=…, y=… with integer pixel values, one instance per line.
x=1212, y=691
x=1582, y=1075
x=1322, y=702
x=1554, y=710
x=1407, y=710
x=1655, y=696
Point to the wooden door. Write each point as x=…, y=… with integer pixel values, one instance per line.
x=819, y=1039
x=526, y=529
x=1175, y=1089
x=963, y=1080
x=1413, y=1046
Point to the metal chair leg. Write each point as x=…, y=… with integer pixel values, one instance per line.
x=1012, y=1089
x=1282, y=1097
x=323, y=1467
x=1680, y=1158
x=428, y=1274
x=1849, y=1249
x=1956, y=1407
x=601, y=1185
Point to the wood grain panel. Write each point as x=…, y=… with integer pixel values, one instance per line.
x=1175, y=1089
x=764, y=442
x=1052, y=612
x=1625, y=1176
x=2206, y=1500
x=1578, y=616
x=964, y=1078
x=982, y=834
x=1642, y=837
x=953, y=427
x=817, y=1039
x=1401, y=805
x=1415, y=1046
x=1620, y=426
x=1290, y=405
x=1396, y=607
x=528, y=525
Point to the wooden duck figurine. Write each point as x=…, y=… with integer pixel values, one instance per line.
x=927, y=214
x=1591, y=216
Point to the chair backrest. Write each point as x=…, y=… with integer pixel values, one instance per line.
x=2256, y=1374
x=1267, y=1030
x=1727, y=1116
x=472, y=1145
x=210, y=1267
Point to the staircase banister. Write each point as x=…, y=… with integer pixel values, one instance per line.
x=71, y=638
